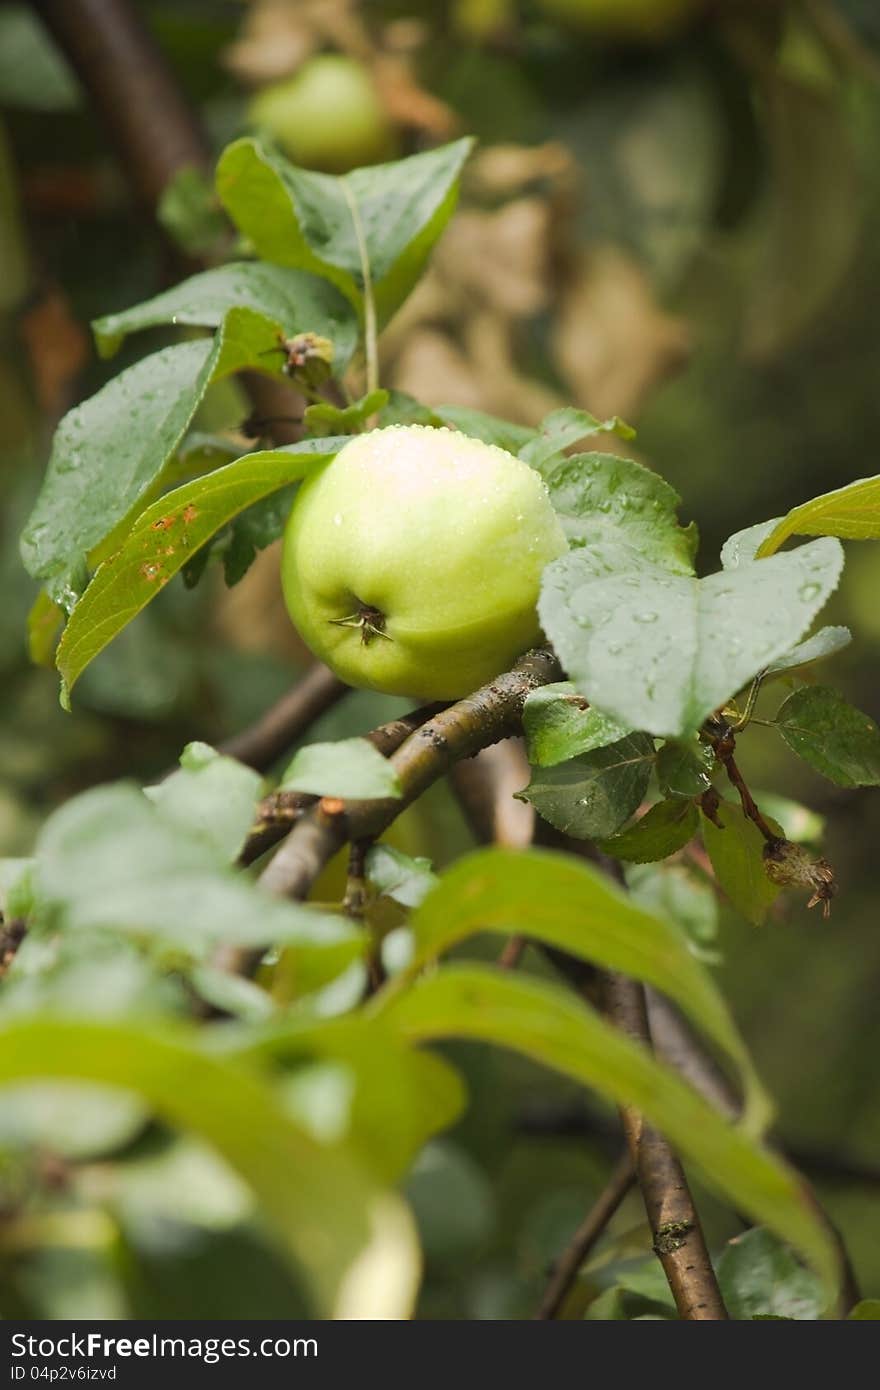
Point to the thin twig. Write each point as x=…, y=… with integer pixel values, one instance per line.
x=678, y=1238
x=512, y=953
x=278, y=812
x=585, y=1237
x=459, y=731
x=12, y=934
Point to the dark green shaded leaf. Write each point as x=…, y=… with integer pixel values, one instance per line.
x=390, y=213
x=663, y=830
x=592, y=795
x=559, y=725
x=834, y=738
x=684, y=767
x=759, y=1276
x=298, y=302
x=106, y=454
x=503, y=433
x=324, y=418
x=736, y=849
x=165, y=536
x=403, y=409
x=190, y=213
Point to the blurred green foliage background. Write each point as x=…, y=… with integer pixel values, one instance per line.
x=672, y=215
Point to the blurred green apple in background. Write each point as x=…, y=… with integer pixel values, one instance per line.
x=328, y=116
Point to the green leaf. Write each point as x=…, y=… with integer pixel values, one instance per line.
x=834, y=738
x=592, y=795
x=351, y=768
x=661, y=651
x=391, y=1098
x=868, y=1309
x=396, y=875
x=322, y=418
x=675, y=892
x=546, y=1023
x=34, y=73
x=559, y=724
x=663, y=830
x=851, y=512
x=190, y=214
x=106, y=453
x=759, y=1276
x=605, y=500
x=684, y=768
x=111, y=453
x=826, y=642
x=253, y=529
x=561, y=429
x=111, y=859
x=300, y=303
x=567, y=904
x=742, y=546
x=492, y=430
x=403, y=409
x=736, y=850
x=357, y=1251
x=210, y=796
x=165, y=536
x=318, y=222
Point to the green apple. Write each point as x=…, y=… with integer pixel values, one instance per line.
x=412, y=561
x=328, y=116
x=637, y=19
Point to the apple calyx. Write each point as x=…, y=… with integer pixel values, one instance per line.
x=371, y=622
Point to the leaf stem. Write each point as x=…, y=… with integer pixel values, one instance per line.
x=371, y=331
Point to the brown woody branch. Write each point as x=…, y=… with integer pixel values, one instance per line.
x=481, y=719
x=278, y=812
x=456, y=732
x=678, y=1241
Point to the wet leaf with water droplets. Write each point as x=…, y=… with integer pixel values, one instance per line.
x=301, y=303
x=602, y=499
x=592, y=795
x=165, y=536
x=709, y=638
x=837, y=740
x=559, y=724
x=320, y=223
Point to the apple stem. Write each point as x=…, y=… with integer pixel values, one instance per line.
x=371, y=622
